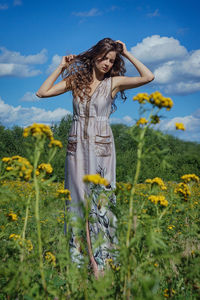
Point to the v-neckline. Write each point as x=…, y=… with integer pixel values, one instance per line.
x=97, y=87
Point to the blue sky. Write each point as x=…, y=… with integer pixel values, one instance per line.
x=164, y=35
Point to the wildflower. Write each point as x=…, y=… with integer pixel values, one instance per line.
x=45, y=167
x=50, y=258
x=96, y=179
x=112, y=265
x=158, y=198
x=141, y=121
x=20, y=165
x=14, y=236
x=38, y=131
x=6, y=159
x=190, y=177
x=157, y=99
x=37, y=173
x=12, y=216
x=158, y=181
x=55, y=143
x=171, y=227
x=155, y=119
x=166, y=293
x=141, y=98
x=156, y=265
x=183, y=189
x=64, y=192
x=180, y=126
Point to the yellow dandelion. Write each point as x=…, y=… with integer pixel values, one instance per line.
x=180, y=126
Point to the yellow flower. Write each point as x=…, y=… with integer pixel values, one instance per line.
x=38, y=131
x=183, y=189
x=64, y=192
x=158, y=198
x=20, y=165
x=55, y=143
x=141, y=98
x=157, y=99
x=14, y=236
x=141, y=121
x=50, y=258
x=45, y=167
x=171, y=227
x=96, y=179
x=12, y=216
x=180, y=126
x=6, y=159
x=156, y=265
x=112, y=265
x=158, y=181
x=190, y=177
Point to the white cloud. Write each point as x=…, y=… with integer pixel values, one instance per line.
x=56, y=59
x=15, y=57
x=191, y=124
x=12, y=63
x=30, y=97
x=128, y=120
x=155, y=49
x=17, y=70
x=93, y=12
x=176, y=70
x=24, y=116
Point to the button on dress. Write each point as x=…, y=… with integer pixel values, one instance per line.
x=91, y=150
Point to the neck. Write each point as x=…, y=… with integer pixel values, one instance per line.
x=97, y=76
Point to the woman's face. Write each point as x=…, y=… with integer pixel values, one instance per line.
x=105, y=62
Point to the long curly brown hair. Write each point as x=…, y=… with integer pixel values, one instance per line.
x=78, y=73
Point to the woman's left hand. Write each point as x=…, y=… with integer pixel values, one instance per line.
x=124, y=47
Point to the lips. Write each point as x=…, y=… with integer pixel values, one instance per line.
x=105, y=69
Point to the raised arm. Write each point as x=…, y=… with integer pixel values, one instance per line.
x=124, y=82
x=47, y=89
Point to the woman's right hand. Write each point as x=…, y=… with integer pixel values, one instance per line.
x=66, y=59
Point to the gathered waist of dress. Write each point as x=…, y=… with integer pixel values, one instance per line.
x=97, y=118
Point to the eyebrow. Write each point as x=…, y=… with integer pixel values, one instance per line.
x=108, y=58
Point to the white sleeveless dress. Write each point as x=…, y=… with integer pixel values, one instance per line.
x=91, y=150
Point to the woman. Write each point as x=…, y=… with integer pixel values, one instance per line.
x=94, y=77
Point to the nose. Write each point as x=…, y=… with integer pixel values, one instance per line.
x=106, y=63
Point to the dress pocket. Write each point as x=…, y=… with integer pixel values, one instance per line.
x=103, y=145
x=72, y=144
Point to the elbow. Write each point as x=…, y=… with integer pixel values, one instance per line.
x=39, y=95
x=150, y=78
